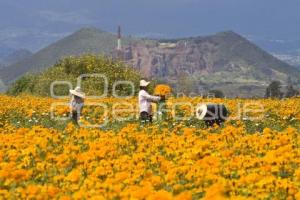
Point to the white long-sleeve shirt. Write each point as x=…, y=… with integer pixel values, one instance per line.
x=76, y=105
x=145, y=100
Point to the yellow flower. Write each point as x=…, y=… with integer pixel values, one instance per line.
x=216, y=192
x=171, y=160
x=52, y=191
x=160, y=195
x=162, y=90
x=32, y=190
x=74, y=175
x=184, y=196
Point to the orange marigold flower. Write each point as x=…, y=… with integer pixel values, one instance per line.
x=160, y=195
x=74, y=175
x=162, y=90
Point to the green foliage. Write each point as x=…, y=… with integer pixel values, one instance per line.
x=22, y=85
x=291, y=92
x=274, y=90
x=70, y=68
x=217, y=93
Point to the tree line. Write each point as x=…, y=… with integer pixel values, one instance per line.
x=274, y=90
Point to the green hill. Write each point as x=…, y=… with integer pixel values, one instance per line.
x=69, y=69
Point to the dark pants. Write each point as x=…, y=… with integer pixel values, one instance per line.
x=211, y=123
x=216, y=114
x=75, y=116
x=145, y=117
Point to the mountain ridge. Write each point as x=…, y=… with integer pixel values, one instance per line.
x=81, y=42
x=205, y=61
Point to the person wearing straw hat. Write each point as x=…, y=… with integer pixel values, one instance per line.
x=212, y=114
x=77, y=103
x=145, y=100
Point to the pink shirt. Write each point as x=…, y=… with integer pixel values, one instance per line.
x=145, y=100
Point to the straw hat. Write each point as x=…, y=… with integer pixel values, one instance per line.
x=77, y=92
x=201, y=111
x=144, y=83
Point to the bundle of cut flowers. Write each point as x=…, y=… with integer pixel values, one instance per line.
x=162, y=90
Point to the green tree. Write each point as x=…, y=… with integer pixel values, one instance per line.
x=291, y=92
x=274, y=90
x=217, y=93
x=23, y=85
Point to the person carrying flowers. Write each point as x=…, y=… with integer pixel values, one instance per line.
x=77, y=103
x=145, y=100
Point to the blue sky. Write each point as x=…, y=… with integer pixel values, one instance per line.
x=270, y=19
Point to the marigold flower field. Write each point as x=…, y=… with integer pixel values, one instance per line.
x=44, y=158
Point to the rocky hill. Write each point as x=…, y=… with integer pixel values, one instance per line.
x=224, y=61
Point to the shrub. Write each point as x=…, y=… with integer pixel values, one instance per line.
x=70, y=68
